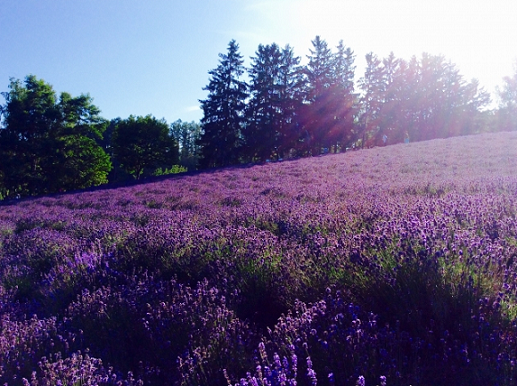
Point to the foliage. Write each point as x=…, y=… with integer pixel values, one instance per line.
x=507, y=112
x=48, y=144
x=276, y=89
x=329, y=115
x=285, y=111
x=223, y=111
x=143, y=144
x=420, y=99
x=294, y=110
x=187, y=134
x=373, y=88
x=174, y=169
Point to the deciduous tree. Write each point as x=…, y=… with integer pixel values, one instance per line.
x=187, y=134
x=49, y=144
x=144, y=144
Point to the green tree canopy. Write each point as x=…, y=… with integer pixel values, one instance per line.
x=49, y=144
x=143, y=144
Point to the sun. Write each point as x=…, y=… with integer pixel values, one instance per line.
x=473, y=35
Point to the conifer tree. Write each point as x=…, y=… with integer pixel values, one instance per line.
x=373, y=88
x=276, y=97
x=223, y=119
x=388, y=128
x=342, y=102
x=292, y=96
x=331, y=108
x=264, y=112
x=444, y=103
x=507, y=111
x=420, y=99
x=318, y=117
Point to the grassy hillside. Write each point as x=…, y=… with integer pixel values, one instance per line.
x=393, y=265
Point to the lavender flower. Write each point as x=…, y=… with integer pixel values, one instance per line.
x=384, y=261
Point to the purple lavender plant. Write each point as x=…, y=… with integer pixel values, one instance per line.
x=395, y=262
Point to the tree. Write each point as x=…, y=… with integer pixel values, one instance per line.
x=446, y=105
x=425, y=99
x=474, y=116
x=292, y=88
x=264, y=109
x=403, y=92
x=331, y=102
x=389, y=130
x=277, y=93
x=143, y=144
x=507, y=111
x=318, y=114
x=373, y=86
x=343, y=100
x=49, y=145
x=223, y=111
x=187, y=135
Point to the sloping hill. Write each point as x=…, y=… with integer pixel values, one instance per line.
x=397, y=261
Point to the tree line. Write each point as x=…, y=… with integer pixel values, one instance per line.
x=51, y=144
x=285, y=109
x=274, y=109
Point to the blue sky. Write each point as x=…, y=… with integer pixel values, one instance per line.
x=153, y=57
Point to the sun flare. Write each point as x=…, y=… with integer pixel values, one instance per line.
x=466, y=33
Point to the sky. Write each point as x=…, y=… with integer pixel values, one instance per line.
x=139, y=57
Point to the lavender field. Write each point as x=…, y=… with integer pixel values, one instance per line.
x=386, y=266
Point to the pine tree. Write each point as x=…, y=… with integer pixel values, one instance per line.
x=390, y=108
x=318, y=114
x=331, y=102
x=342, y=104
x=276, y=98
x=373, y=86
x=264, y=110
x=292, y=95
x=423, y=99
x=223, y=110
x=507, y=111
x=446, y=105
